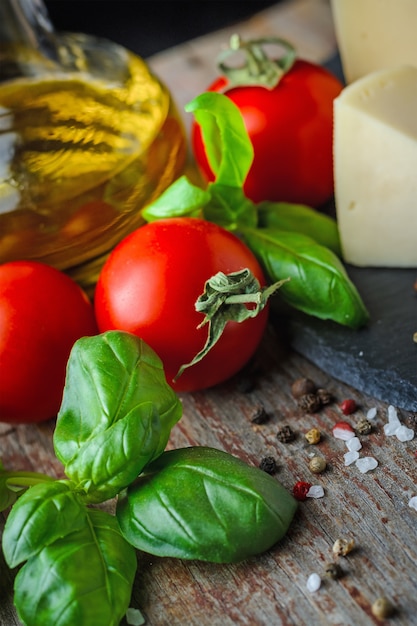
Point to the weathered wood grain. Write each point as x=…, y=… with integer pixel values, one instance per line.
x=370, y=508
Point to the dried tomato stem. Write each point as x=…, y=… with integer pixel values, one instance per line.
x=259, y=69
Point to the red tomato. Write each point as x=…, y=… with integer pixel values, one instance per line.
x=149, y=286
x=291, y=129
x=42, y=313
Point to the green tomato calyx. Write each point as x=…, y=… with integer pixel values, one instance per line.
x=235, y=297
x=259, y=69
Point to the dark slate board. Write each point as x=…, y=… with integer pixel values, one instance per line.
x=381, y=359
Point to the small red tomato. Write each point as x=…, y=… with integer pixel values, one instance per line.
x=291, y=130
x=42, y=313
x=149, y=286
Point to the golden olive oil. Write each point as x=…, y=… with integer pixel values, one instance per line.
x=81, y=153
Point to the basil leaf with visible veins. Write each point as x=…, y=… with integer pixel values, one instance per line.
x=116, y=415
x=86, y=578
x=202, y=503
x=319, y=284
x=45, y=512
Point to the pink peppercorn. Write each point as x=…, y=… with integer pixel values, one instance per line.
x=348, y=406
x=300, y=490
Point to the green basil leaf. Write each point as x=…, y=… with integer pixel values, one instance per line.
x=228, y=147
x=230, y=208
x=44, y=513
x=201, y=503
x=116, y=414
x=301, y=219
x=181, y=199
x=319, y=284
x=85, y=578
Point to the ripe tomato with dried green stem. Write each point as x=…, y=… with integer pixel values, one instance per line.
x=287, y=108
x=42, y=313
x=149, y=286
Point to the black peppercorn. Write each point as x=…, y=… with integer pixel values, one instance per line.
x=309, y=403
x=324, y=396
x=285, y=434
x=268, y=465
x=260, y=416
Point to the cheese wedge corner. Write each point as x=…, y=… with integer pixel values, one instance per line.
x=375, y=168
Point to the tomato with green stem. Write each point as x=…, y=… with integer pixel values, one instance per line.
x=151, y=282
x=42, y=313
x=287, y=108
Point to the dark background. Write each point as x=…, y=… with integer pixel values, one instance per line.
x=149, y=26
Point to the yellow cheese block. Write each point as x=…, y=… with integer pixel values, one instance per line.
x=375, y=168
x=375, y=34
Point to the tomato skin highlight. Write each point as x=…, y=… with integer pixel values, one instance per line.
x=42, y=313
x=291, y=130
x=149, y=286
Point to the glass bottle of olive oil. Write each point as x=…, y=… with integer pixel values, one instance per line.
x=88, y=137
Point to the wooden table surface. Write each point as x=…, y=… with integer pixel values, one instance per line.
x=372, y=508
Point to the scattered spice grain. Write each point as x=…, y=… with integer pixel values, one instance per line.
x=268, y=464
x=333, y=571
x=313, y=582
x=260, y=416
x=363, y=427
x=348, y=406
x=343, y=430
x=382, y=608
x=302, y=387
x=324, y=396
x=317, y=464
x=285, y=434
x=342, y=547
x=301, y=489
x=309, y=403
x=313, y=436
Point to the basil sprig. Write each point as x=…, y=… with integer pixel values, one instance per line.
x=106, y=433
x=290, y=240
x=78, y=562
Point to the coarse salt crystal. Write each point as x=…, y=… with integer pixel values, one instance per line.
x=313, y=582
x=404, y=434
x=392, y=414
x=315, y=491
x=413, y=503
x=371, y=414
x=351, y=456
x=353, y=444
x=391, y=428
x=343, y=430
x=366, y=463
